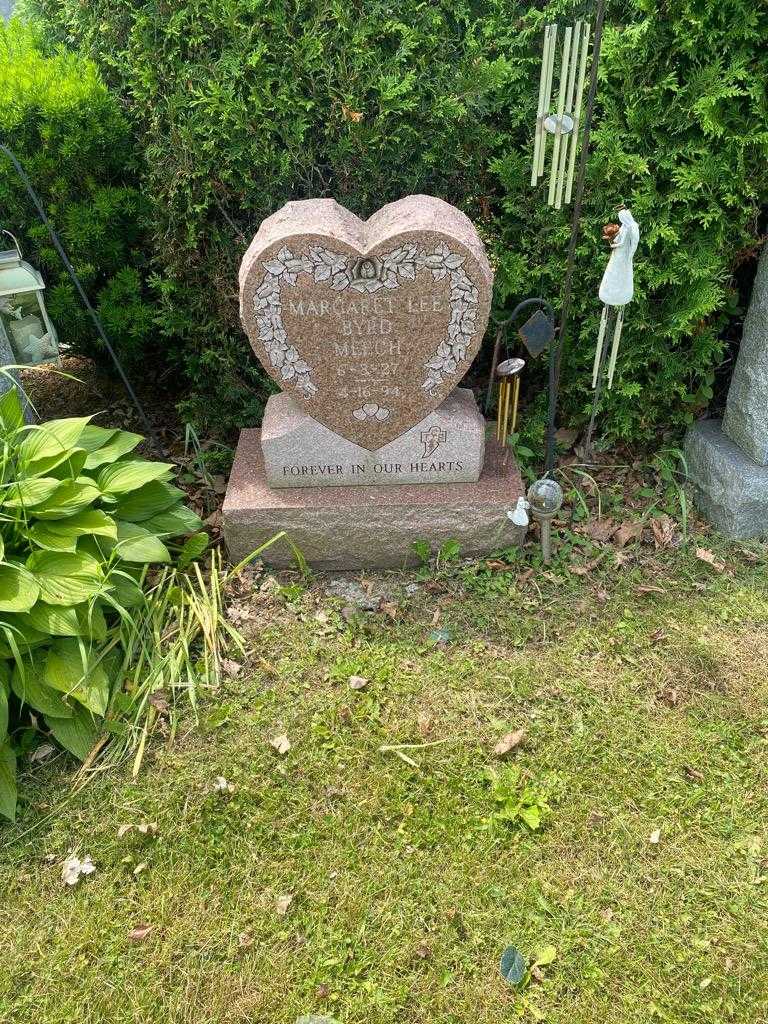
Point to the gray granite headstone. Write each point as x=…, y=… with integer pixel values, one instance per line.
x=746, y=415
x=728, y=461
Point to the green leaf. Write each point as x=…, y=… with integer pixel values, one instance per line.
x=17, y=636
x=62, y=534
x=123, y=477
x=51, y=439
x=93, y=437
x=11, y=412
x=174, y=523
x=124, y=590
x=135, y=544
x=69, y=497
x=42, y=535
x=18, y=589
x=513, y=965
x=3, y=712
x=65, y=578
x=546, y=955
x=73, y=669
x=68, y=469
x=193, y=548
x=86, y=619
x=531, y=816
x=7, y=781
x=121, y=442
x=28, y=493
x=147, y=501
x=30, y=689
x=77, y=734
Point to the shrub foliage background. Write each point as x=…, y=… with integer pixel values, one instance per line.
x=241, y=105
x=75, y=144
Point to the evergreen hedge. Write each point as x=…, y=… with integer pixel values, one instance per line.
x=241, y=105
x=76, y=146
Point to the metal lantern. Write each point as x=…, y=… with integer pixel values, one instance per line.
x=25, y=327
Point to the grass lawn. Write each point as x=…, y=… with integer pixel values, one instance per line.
x=641, y=687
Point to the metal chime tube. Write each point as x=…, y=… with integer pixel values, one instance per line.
x=515, y=401
x=566, y=141
x=599, y=347
x=547, y=94
x=615, y=349
x=543, y=104
x=560, y=110
x=577, y=111
x=501, y=413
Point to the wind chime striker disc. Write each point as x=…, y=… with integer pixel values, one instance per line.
x=565, y=121
x=537, y=332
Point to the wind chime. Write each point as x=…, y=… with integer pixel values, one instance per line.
x=508, y=373
x=616, y=290
x=565, y=122
x=536, y=334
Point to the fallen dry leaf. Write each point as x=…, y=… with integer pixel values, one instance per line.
x=42, y=753
x=280, y=743
x=426, y=723
x=230, y=668
x=140, y=932
x=160, y=703
x=245, y=940
x=145, y=828
x=705, y=555
x=600, y=530
x=220, y=785
x=283, y=903
x=358, y=682
x=507, y=744
x=389, y=608
x=663, y=529
x=423, y=952
x=351, y=115
x=655, y=837
x=647, y=588
x=73, y=869
x=586, y=569
x=630, y=530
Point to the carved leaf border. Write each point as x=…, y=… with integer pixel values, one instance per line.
x=399, y=264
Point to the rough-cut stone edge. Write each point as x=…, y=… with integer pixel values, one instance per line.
x=731, y=490
x=283, y=411
x=746, y=415
x=378, y=523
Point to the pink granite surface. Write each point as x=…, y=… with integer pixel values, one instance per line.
x=367, y=527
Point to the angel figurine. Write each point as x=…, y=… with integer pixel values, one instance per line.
x=616, y=289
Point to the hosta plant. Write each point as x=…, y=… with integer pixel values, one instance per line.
x=81, y=519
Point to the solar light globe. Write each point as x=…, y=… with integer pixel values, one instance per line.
x=545, y=497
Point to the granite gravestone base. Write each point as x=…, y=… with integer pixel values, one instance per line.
x=350, y=528
x=731, y=489
x=728, y=460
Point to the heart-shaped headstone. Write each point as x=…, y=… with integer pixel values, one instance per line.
x=371, y=323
